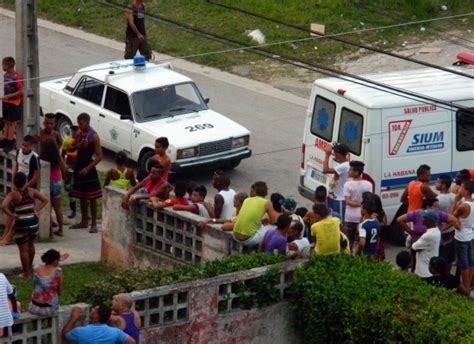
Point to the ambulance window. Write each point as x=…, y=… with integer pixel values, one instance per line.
x=465, y=130
x=350, y=130
x=323, y=118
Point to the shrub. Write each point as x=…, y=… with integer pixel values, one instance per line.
x=342, y=299
x=125, y=281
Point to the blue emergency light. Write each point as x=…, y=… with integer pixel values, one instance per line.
x=139, y=62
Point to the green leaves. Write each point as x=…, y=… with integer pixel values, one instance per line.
x=346, y=299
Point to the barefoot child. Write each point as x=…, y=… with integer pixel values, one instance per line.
x=26, y=223
x=120, y=177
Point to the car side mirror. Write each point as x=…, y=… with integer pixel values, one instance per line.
x=207, y=100
x=126, y=116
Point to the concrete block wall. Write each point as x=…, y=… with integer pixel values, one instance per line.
x=143, y=236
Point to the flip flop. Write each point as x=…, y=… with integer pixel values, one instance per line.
x=59, y=233
x=78, y=226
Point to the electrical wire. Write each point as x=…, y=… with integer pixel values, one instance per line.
x=248, y=47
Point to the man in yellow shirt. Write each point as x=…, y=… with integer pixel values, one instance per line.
x=326, y=231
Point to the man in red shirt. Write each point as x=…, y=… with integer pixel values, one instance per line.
x=12, y=102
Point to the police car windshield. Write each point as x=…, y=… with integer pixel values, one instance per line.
x=167, y=101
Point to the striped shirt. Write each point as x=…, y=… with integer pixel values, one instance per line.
x=6, y=318
x=26, y=220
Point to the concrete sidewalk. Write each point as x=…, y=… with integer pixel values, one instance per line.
x=81, y=245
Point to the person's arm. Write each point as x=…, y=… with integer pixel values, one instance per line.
x=34, y=164
x=131, y=177
x=427, y=191
x=137, y=320
x=129, y=13
x=272, y=214
x=326, y=168
x=348, y=197
x=451, y=222
x=130, y=192
x=129, y=340
x=461, y=212
x=71, y=323
x=62, y=167
x=116, y=321
x=98, y=156
x=218, y=205
x=403, y=222
x=108, y=177
x=210, y=209
x=457, y=199
x=362, y=235
x=6, y=202
x=60, y=282
x=421, y=244
x=404, y=197
x=192, y=208
x=228, y=226
x=42, y=198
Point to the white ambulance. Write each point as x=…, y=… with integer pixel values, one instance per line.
x=390, y=133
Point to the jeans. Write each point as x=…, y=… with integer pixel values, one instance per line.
x=463, y=254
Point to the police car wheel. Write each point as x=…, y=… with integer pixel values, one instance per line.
x=144, y=159
x=64, y=127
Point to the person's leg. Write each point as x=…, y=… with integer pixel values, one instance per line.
x=31, y=251
x=462, y=251
x=413, y=260
x=84, y=203
x=56, y=203
x=145, y=50
x=8, y=234
x=93, y=228
x=131, y=47
x=22, y=244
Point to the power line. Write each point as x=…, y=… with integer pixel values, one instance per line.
x=359, y=45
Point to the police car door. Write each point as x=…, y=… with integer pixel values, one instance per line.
x=414, y=135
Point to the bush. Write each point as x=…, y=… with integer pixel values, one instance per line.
x=125, y=281
x=342, y=299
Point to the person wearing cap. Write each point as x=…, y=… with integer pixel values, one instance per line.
x=69, y=156
x=288, y=207
x=427, y=245
x=340, y=174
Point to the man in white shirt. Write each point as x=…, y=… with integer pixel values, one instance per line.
x=6, y=318
x=340, y=174
x=427, y=246
x=353, y=190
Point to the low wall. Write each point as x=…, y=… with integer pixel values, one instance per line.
x=205, y=311
x=6, y=182
x=143, y=236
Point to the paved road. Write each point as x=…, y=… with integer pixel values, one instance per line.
x=275, y=124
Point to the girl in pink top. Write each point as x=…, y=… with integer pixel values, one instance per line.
x=49, y=151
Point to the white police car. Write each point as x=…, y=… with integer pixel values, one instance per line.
x=131, y=103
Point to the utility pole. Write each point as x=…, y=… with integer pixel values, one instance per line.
x=27, y=63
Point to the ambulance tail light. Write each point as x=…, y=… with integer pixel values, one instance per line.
x=303, y=149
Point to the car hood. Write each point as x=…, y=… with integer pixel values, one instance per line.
x=189, y=130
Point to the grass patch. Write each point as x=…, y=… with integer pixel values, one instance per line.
x=337, y=15
x=75, y=277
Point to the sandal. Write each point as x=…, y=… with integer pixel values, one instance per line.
x=59, y=233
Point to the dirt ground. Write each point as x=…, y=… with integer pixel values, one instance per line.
x=298, y=80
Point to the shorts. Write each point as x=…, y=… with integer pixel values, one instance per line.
x=132, y=45
x=11, y=112
x=352, y=231
x=463, y=254
x=55, y=189
x=257, y=238
x=23, y=238
x=337, y=206
x=448, y=252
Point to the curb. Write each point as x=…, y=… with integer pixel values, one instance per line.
x=212, y=73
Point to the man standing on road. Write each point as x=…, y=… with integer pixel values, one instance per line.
x=135, y=35
x=86, y=185
x=417, y=189
x=340, y=172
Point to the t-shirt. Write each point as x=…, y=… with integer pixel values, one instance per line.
x=327, y=234
x=354, y=189
x=97, y=334
x=370, y=230
x=449, y=282
x=426, y=247
x=6, y=289
x=12, y=82
x=341, y=178
x=138, y=20
x=274, y=242
x=445, y=203
x=177, y=201
x=416, y=217
x=27, y=163
x=250, y=216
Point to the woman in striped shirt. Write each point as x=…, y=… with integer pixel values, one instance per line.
x=20, y=205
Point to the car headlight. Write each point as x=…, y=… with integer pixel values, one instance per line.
x=186, y=153
x=240, y=142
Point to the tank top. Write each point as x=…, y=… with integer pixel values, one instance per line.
x=46, y=288
x=228, y=207
x=55, y=174
x=465, y=233
x=138, y=20
x=415, y=196
x=26, y=220
x=122, y=182
x=202, y=210
x=130, y=327
x=250, y=216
